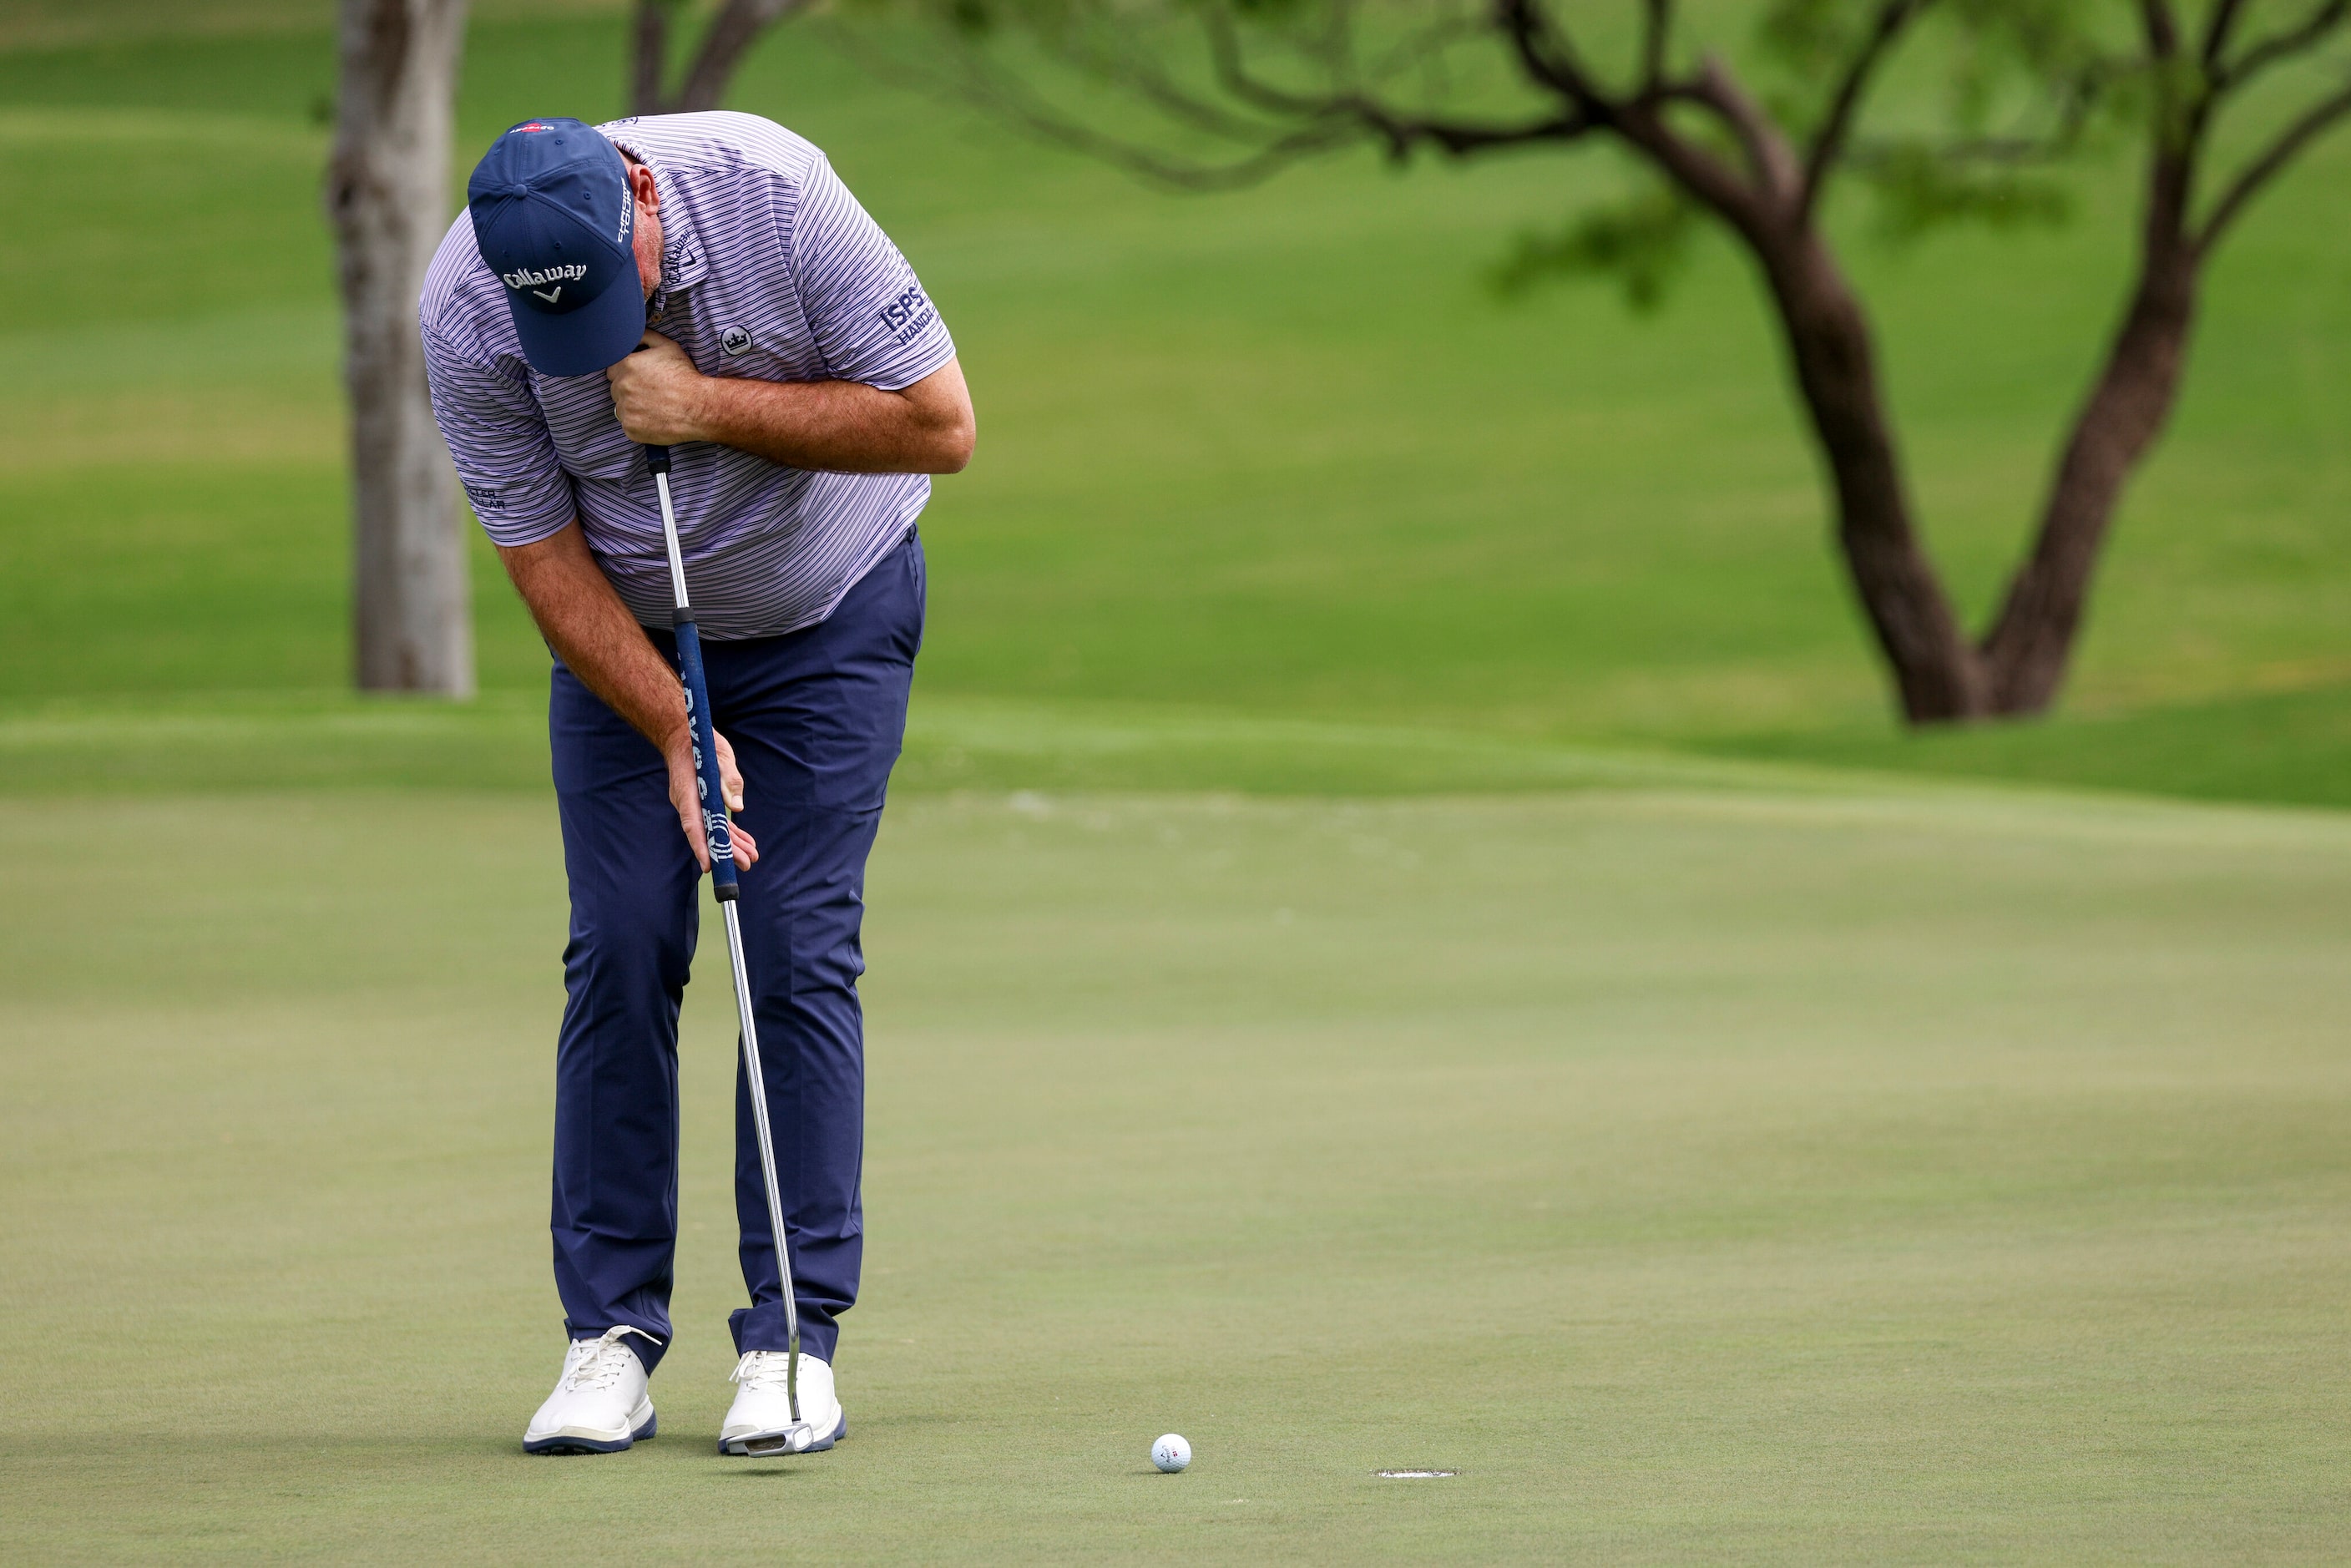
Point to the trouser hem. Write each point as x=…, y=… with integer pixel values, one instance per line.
x=649, y=1351
x=763, y=1327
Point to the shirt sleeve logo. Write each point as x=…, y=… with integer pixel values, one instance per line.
x=735, y=340
x=904, y=317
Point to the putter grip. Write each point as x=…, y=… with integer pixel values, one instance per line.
x=656, y=459
x=714, y=822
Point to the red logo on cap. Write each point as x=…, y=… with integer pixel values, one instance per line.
x=534, y=125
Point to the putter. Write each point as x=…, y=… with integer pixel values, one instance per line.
x=800, y=1435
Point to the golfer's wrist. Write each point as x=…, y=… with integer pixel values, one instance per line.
x=710, y=410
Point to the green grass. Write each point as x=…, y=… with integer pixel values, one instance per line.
x=214, y=745
x=1400, y=940
x=2280, y=745
x=1278, y=454
x=1709, y=1175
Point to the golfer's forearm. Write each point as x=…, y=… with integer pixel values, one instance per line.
x=845, y=426
x=593, y=633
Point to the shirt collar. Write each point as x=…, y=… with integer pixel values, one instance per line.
x=683, y=264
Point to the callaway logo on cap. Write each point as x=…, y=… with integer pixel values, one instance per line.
x=552, y=216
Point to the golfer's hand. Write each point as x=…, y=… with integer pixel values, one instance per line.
x=658, y=393
x=688, y=802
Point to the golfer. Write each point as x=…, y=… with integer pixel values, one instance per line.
x=704, y=282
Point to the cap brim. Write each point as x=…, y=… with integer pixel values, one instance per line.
x=582, y=342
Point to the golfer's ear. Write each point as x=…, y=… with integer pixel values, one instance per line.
x=644, y=187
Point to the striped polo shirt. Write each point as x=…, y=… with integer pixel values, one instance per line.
x=769, y=270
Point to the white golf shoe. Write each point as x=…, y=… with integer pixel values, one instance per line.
x=601, y=1403
x=762, y=1409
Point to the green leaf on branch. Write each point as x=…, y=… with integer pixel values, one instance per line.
x=1919, y=191
x=1642, y=242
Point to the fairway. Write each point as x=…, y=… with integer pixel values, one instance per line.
x=1280, y=452
x=1756, y=1169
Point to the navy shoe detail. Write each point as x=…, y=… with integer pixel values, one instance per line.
x=595, y=1445
x=579, y=1446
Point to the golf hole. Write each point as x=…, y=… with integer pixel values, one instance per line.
x=1413, y=1475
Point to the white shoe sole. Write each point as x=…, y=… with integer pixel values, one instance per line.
x=643, y=1425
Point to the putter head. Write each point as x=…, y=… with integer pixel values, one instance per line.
x=784, y=1441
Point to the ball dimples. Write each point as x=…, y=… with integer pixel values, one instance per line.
x=1171, y=1453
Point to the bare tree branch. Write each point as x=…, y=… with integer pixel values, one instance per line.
x=1007, y=95
x=1303, y=121
x=730, y=37
x=1769, y=159
x=1424, y=49
x=1226, y=54
x=1140, y=73
x=2321, y=118
x=1548, y=57
x=1455, y=138
x=1657, y=28
x=2269, y=51
x=2161, y=28
x=1829, y=140
x=1151, y=165
x=2225, y=14
x=2180, y=123
x=1321, y=124
x=648, y=56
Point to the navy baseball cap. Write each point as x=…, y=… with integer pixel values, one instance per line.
x=552, y=214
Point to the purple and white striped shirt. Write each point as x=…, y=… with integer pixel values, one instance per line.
x=769, y=270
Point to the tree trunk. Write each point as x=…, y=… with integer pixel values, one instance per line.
x=2031, y=646
x=1936, y=669
x=649, y=56
x=388, y=195
x=732, y=33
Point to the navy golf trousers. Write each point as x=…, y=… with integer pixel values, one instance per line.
x=816, y=718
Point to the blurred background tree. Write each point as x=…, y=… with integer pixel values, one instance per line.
x=387, y=192
x=2212, y=104
x=725, y=41
x=1278, y=454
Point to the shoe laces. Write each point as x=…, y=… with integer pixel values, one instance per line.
x=601, y=1366
x=764, y=1371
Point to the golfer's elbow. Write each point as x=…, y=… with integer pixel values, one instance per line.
x=942, y=405
x=952, y=446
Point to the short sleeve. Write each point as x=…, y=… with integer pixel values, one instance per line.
x=499, y=439
x=871, y=320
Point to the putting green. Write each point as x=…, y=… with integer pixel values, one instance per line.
x=1705, y=1172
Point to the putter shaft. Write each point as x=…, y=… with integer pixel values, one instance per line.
x=758, y=1087
x=725, y=887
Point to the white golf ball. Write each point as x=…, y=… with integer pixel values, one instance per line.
x=1171, y=1453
